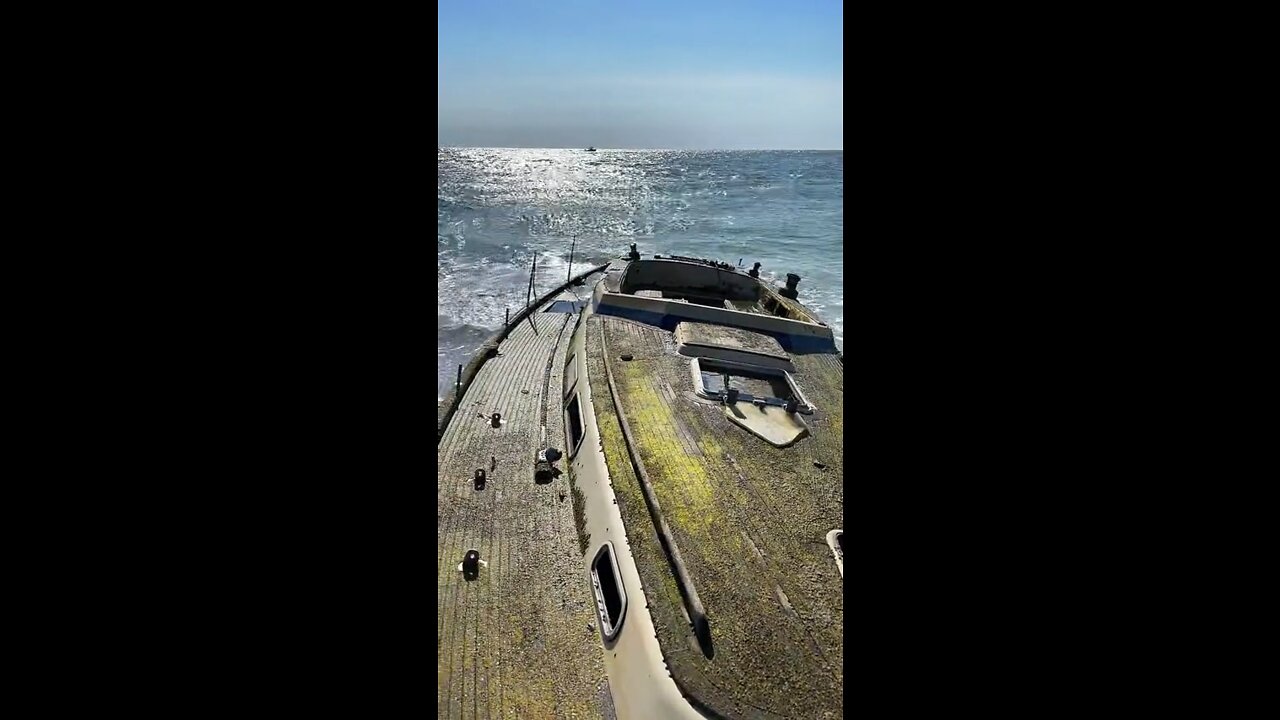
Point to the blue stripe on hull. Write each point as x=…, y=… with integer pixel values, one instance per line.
x=791, y=343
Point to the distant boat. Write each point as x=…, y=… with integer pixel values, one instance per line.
x=591, y=149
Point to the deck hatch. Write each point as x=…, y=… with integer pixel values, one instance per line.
x=573, y=417
x=611, y=598
x=568, y=307
x=755, y=384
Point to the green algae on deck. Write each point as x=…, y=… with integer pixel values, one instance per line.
x=667, y=453
x=666, y=606
x=742, y=513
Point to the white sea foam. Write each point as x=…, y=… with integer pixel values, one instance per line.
x=496, y=209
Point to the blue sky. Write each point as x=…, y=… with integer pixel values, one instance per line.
x=642, y=74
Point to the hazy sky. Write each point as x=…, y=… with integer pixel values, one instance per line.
x=642, y=73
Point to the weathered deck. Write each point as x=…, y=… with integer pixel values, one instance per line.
x=750, y=521
x=516, y=641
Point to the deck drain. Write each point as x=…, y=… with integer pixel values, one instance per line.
x=626, y=356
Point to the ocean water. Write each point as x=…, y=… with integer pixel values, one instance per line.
x=497, y=208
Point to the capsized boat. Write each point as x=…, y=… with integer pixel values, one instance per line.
x=640, y=503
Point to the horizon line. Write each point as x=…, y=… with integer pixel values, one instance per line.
x=575, y=147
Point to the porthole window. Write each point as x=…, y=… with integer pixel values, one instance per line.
x=611, y=598
x=573, y=423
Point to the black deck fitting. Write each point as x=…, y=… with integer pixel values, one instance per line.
x=790, y=290
x=471, y=565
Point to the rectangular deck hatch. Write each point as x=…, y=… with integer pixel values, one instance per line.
x=757, y=384
x=570, y=307
x=754, y=384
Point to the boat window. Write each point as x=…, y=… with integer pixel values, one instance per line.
x=570, y=374
x=611, y=598
x=573, y=418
